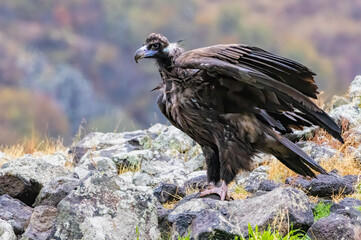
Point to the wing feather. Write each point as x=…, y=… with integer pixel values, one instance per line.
x=289, y=83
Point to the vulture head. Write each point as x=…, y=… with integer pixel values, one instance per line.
x=158, y=47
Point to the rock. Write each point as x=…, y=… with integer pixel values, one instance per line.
x=93, y=163
x=172, y=138
x=197, y=182
x=163, y=224
x=157, y=167
x=338, y=101
x=350, y=202
x=352, y=178
x=6, y=231
x=268, y=185
x=16, y=213
x=205, y=217
x=318, y=152
x=59, y=158
x=349, y=113
x=57, y=189
x=355, y=88
x=41, y=223
x=24, y=177
x=253, y=182
x=335, y=226
x=167, y=192
x=196, y=163
x=128, y=141
x=105, y=207
x=323, y=186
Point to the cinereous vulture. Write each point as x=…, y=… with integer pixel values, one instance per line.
x=236, y=100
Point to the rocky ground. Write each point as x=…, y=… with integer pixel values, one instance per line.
x=144, y=185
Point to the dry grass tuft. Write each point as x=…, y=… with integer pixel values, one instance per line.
x=239, y=192
x=33, y=145
x=128, y=168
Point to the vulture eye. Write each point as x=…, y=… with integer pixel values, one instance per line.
x=156, y=45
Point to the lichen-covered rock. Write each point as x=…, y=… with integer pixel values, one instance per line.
x=335, y=226
x=157, y=167
x=56, y=190
x=24, y=177
x=350, y=112
x=105, y=207
x=41, y=223
x=172, y=138
x=90, y=163
x=16, y=213
x=6, y=231
x=355, y=88
x=205, y=218
x=318, y=152
x=253, y=181
x=128, y=141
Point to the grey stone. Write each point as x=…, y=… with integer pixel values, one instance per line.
x=24, y=177
x=198, y=182
x=96, y=141
x=253, y=182
x=6, y=231
x=318, y=152
x=105, y=207
x=163, y=224
x=335, y=226
x=338, y=101
x=207, y=218
x=167, y=192
x=56, y=190
x=157, y=167
x=348, y=112
x=15, y=212
x=172, y=138
x=355, y=88
x=268, y=185
x=41, y=223
x=350, y=202
x=93, y=163
x=323, y=186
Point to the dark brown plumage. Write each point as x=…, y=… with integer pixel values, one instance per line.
x=236, y=100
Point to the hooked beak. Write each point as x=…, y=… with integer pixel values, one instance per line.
x=143, y=52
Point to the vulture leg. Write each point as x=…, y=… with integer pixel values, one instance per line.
x=221, y=191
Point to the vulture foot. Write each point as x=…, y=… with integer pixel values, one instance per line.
x=221, y=191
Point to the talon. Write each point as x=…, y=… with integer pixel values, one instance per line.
x=221, y=191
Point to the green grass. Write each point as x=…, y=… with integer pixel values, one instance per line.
x=270, y=234
x=321, y=210
x=358, y=208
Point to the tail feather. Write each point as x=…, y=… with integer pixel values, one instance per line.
x=294, y=157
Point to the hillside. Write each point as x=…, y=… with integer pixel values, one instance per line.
x=72, y=64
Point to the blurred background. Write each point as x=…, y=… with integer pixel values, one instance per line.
x=68, y=65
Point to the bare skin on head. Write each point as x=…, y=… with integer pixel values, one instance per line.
x=236, y=100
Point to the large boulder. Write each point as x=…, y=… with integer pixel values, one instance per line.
x=6, y=231
x=205, y=218
x=105, y=207
x=124, y=142
x=349, y=113
x=324, y=185
x=335, y=226
x=14, y=212
x=56, y=190
x=24, y=177
x=41, y=223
